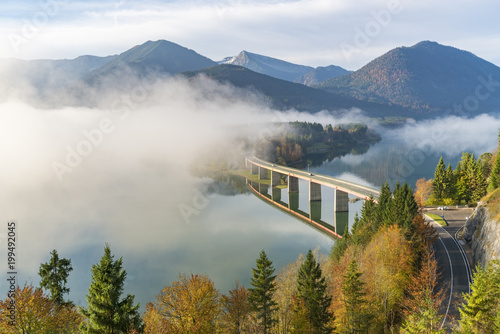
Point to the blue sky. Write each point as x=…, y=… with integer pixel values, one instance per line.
x=310, y=32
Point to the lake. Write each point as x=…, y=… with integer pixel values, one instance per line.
x=137, y=203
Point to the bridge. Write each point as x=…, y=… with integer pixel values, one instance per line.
x=341, y=188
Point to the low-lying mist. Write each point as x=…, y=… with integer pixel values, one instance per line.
x=112, y=165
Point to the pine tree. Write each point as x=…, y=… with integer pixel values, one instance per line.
x=354, y=301
x=340, y=245
x=410, y=209
x=398, y=204
x=106, y=313
x=54, y=276
x=449, y=189
x=426, y=320
x=311, y=289
x=382, y=214
x=479, y=312
x=439, y=179
x=261, y=293
x=480, y=184
x=495, y=173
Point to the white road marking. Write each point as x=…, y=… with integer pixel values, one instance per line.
x=451, y=282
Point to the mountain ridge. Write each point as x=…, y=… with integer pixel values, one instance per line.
x=427, y=77
x=423, y=80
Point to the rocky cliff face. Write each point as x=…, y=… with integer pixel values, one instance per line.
x=482, y=230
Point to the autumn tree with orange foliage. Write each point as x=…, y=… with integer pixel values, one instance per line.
x=284, y=296
x=36, y=313
x=423, y=190
x=423, y=300
x=387, y=266
x=236, y=309
x=190, y=305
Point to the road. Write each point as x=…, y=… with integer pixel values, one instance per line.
x=346, y=186
x=453, y=262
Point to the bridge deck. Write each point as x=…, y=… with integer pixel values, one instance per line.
x=328, y=181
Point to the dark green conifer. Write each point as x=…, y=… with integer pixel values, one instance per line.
x=106, y=312
x=311, y=289
x=54, y=276
x=439, y=181
x=354, y=300
x=261, y=294
x=495, y=172
x=382, y=214
x=480, y=310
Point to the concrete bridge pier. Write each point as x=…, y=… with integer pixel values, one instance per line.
x=262, y=173
x=314, y=201
x=314, y=191
x=263, y=188
x=293, y=184
x=315, y=210
x=275, y=178
x=293, y=193
x=254, y=169
x=276, y=194
x=340, y=201
x=341, y=221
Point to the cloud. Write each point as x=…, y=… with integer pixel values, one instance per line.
x=309, y=32
x=77, y=176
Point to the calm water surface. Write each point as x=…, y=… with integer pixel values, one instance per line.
x=136, y=210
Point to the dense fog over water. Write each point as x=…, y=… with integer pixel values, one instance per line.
x=113, y=165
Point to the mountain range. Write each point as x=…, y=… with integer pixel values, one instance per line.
x=424, y=80
x=284, y=70
x=426, y=77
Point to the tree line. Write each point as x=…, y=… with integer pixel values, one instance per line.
x=361, y=287
x=293, y=140
x=471, y=180
x=381, y=277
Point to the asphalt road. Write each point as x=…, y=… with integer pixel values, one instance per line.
x=453, y=262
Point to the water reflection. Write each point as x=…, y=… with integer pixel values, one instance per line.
x=312, y=217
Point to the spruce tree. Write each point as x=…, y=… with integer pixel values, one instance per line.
x=449, y=189
x=495, y=172
x=479, y=312
x=354, y=300
x=480, y=184
x=382, y=214
x=439, y=181
x=495, y=175
x=106, y=312
x=410, y=209
x=261, y=293
x=398, y=204
x=54, y=276
x=340, y=245
x=311, y=289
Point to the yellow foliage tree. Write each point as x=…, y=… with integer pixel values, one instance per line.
x=387, y=267
x=423, y=191
x=36, y=313
x=190, y=305
x=286, y=285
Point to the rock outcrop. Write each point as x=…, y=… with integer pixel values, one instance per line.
x=482, y=231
